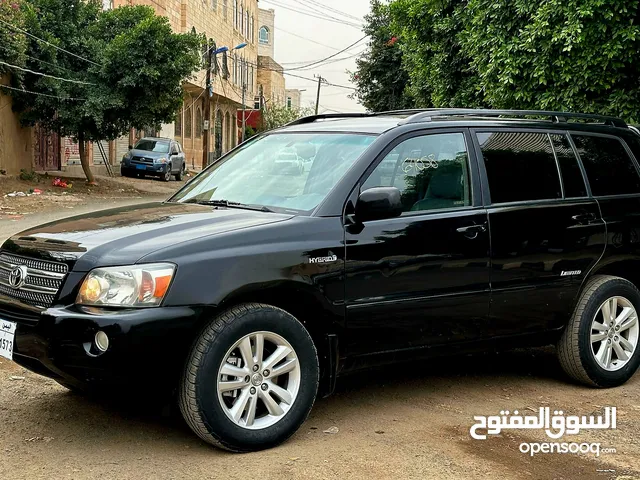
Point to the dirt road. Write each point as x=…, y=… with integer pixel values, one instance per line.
x=403, y=422
x=393, y=423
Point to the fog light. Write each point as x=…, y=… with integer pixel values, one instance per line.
x=101, y=341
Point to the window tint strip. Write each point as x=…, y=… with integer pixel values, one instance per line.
x=555, y=155
x=570, y=171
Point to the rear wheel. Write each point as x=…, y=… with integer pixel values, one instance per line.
x=599, y=347
x=251, y=379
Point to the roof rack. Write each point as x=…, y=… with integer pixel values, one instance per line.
x=325, y=116
x=427, y=114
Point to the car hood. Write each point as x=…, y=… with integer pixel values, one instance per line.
x=124, y=235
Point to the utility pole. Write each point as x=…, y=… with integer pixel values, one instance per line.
x=320, y=80
x=207, y=106
x=244, y=91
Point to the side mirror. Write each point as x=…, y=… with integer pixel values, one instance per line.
x=379, y=203
x=130, y=147
x=173, y=154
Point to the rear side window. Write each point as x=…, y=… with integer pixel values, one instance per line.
x=571, y=174
x=609, y=168
x=520, y=166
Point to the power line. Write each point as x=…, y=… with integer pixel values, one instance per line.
x=41, y=94
x=49, y=43
x=330, y=56
x=313, y=8
x=331, y=9
x=47, y=63
x=286, y=7
x=307, y=39
x=314, y=80
x=45, y=75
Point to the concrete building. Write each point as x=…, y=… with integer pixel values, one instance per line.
x=293, y=98
x=271, y=82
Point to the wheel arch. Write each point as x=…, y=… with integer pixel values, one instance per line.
x=627, y=268
x=323, y=322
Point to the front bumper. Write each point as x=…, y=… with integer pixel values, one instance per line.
x=149, y=168
x=147, y=346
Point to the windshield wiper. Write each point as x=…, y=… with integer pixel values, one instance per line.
x=229, y=204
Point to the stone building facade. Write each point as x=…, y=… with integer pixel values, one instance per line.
x=228, y=23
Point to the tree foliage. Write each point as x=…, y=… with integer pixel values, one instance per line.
x=13, y=43
x=379, y=76
x=438, y=68
x=130, y=73
x=275, y=116
x=580, y=55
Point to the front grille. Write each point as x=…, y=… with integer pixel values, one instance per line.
x=142, y=159
x=42, y=281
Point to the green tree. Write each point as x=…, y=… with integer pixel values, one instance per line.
x=13, y=43
x=439, y=70
x=274, y=116
x=126, y=67
x=380, y=77
x=580, y=55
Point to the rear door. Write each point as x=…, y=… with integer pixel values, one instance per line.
x=546, y=230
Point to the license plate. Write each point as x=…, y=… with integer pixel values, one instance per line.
x=7, y=334
x=141, y=167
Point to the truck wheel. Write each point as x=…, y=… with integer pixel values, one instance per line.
x=599, y=347
x=251, y=378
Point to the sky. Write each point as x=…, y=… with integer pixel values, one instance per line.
x=299, y=37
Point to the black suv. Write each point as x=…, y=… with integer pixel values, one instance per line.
x=406, y=234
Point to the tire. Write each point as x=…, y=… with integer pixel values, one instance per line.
x=180, y=174
x=124, y=173
x=208, y=412
x=576, y=351
x=166, y=176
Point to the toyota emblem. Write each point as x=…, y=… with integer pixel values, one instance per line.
x=18, y=276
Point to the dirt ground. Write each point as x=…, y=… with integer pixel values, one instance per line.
x=53, y=198
x=393, y=423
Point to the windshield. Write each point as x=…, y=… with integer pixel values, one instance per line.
x=153, y=146
x=287, y=171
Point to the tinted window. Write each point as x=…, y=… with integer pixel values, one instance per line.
x=609, y=168
x=520, y=166
x=430, y=171
x=572, y=179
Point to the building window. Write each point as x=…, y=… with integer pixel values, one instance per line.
x=225, y=9
x=187, y=122
x=246, y=23
x=240, y=18
x=214, y=5
x=198, y=122
x=251, y=30
x=235, y=13
x=263, y=35
x=289, y=103
x=235, y=68
x=256, y=103
x=178, y=125
x=228, y=131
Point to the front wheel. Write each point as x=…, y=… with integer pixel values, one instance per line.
x=599, y=347
x=166, y=176
x=180, y=174
x=251, y=378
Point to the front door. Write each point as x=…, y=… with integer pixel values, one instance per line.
x=422, y=278
x=46, y=150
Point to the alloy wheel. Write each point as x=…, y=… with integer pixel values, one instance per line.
x=614, y=333
x=259, y=380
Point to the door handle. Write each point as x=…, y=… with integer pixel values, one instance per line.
x=472, y=231
x=584, y=218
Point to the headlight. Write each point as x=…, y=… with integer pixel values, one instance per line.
x=161, y=160
x=131, y=286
